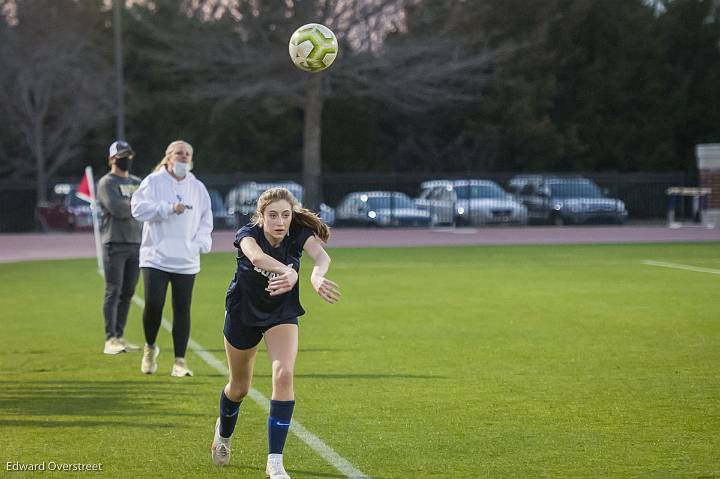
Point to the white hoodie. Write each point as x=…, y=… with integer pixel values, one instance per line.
x=172, y=242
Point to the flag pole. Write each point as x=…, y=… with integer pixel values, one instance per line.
x=96, y=227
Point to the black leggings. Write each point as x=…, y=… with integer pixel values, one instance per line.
x=156, y=283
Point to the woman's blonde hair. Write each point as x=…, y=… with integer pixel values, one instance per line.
x=300, y=216
x=169, y=151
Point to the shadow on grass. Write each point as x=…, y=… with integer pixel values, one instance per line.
x=358, y=376
x=319, y=474
x=93, y=398
x=50, y=423
x=313, y=473
x=340, y=376
x=301, y=350
x=292, y=471
x=171, y=383
x=324, y=350
x=31, y=351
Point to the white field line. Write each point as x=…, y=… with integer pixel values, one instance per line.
x=314, y=442
x=681, y=266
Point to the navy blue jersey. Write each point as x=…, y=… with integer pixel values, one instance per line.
x=247, y=299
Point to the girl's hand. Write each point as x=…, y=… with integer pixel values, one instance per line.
x=283, y=283
x=328, y=290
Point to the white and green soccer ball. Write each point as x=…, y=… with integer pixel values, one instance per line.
x=313, y=47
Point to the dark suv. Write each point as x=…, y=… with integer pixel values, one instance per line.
x=566, y=200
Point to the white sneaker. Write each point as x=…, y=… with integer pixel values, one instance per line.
x=179, y=369
x=220, y=449
x=149, y=359
x=274, y=468
x=129, y=347
x=112, y=346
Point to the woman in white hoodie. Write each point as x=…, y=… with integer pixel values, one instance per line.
x=175, y=209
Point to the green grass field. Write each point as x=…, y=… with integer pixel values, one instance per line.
x=523, y=361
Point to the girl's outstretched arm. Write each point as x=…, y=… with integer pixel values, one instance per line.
x=287, y=275
x=328, y=290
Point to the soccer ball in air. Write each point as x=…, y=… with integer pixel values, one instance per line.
x=313, y=47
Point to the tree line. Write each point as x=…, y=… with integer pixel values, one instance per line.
x=419, y=85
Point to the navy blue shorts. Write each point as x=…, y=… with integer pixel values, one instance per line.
x=241, y=336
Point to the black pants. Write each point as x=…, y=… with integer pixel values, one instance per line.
x=121, y=264
x=156, y=283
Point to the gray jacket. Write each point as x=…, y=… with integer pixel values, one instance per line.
x=118, y=224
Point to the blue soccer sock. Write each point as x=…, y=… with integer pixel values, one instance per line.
x=278, y=424
x=228, y=414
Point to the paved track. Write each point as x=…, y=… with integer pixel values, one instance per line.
x=31, y=246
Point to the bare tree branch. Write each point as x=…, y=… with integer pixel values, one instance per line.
x=54, y=84
x=244, y=58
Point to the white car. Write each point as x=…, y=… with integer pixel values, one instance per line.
x=380, y=208
x=469, y=202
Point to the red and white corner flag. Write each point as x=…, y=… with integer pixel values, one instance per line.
x=86, y=188
x=86, y=191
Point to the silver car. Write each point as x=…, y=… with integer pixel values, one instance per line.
x=242, y=200
x=380, y=208
x=469, y=202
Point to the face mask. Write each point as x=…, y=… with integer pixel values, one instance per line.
x=181, y=169
x=123, y=163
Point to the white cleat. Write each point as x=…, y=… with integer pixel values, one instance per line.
x=220, y=448
x=129, y=347
x=274, y=468
x=149, y=359
x=179, y=369
x=113, y=346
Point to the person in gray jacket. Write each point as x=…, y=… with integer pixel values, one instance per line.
x=121, y=235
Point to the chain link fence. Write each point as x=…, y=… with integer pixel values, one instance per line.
x=369, y=199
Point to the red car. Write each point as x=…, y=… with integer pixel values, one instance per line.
x=65, y=211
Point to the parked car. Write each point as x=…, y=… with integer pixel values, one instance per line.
x=64, y=211
x=242, y=200
x=469, y=202
x=380, y=208
x=518, y=181
x=568, y=200
x=221, y=218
